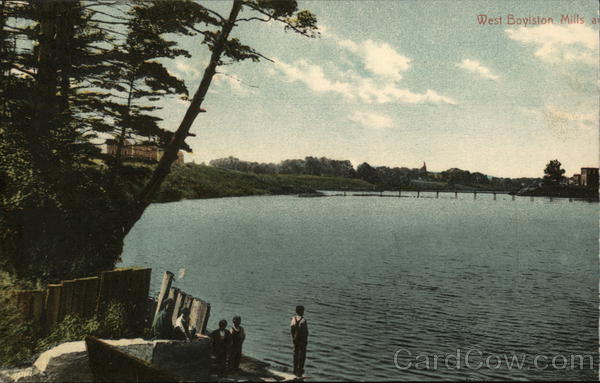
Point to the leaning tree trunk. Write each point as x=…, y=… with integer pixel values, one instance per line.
x=170, y=154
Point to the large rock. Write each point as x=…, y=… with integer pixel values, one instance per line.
x=68, y=362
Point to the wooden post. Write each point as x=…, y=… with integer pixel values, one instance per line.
x=437, y=194
x=513, y=197
x=570, y=199
x=139, y=298
x=66, y=300
x=178, y=305
x=103, y=290
x=37, y=306
x=53, y=306
x=399, y=193
x=31, y=305
x=187, y=302
x=418, y=193
x=381, y=193
x=78, y=297
x=196, y=315
x=494, y=196
x=163, y=294
x=474, y=195
x=91, y=296
x=455, y=195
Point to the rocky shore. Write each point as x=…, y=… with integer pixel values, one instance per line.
x=189, y=361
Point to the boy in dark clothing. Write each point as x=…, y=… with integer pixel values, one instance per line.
x=162, y=328
x=299, y=330
x=237, y=339
x=221, y=341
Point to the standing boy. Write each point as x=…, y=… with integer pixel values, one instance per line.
x=221, y=340
x=237, y=339
x=299, y=330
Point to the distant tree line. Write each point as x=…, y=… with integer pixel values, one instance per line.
x=384, y=176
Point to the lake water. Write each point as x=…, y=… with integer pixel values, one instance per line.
x=423, y=276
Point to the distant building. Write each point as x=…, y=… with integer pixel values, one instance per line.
x=589, y=177
x=575, y=180
x=131, y=151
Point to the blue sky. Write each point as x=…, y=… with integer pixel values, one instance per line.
x=401, y=82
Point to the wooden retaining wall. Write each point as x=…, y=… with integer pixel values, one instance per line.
x=87, y=297
x=199, y=309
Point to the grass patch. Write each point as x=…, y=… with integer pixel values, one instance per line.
x=198, y=181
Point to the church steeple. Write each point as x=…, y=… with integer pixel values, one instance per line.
x=424, y=168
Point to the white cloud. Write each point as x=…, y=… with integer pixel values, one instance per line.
x=380, y=58
x=565, y=121
x=355, y=87
x=234, y=83
x=476, y=67
x=313, y=76
x=560, y=118
x=560, y=43
x=186, y=69
x=372, y=120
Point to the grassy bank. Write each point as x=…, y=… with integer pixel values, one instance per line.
x=192, y=181
x=198, y=181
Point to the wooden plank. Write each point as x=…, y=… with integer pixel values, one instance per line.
x=139, y=281
x=66, y=299
x=127, y=288
x=187, y=303
x=91, y=296
x=196, y=315
x=116, y=286
x=37, y=306
x=144, y=277
x=163, y=293
x=105, y=277
x=78, y=297
x=113, y=288
x=53, y=297
x=178, y=305
x=31, y=304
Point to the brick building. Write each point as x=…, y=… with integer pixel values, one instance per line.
x=131, y=151
x=589, y=177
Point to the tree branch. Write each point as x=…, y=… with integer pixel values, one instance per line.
x=178, y=140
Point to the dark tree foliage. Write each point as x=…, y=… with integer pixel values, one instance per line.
x=553, y=173
x=74, y=72
x=368, y=173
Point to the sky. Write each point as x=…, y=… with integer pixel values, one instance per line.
x=399, y=83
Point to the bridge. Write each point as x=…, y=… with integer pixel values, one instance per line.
x=420, y=192
x=429, y=194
